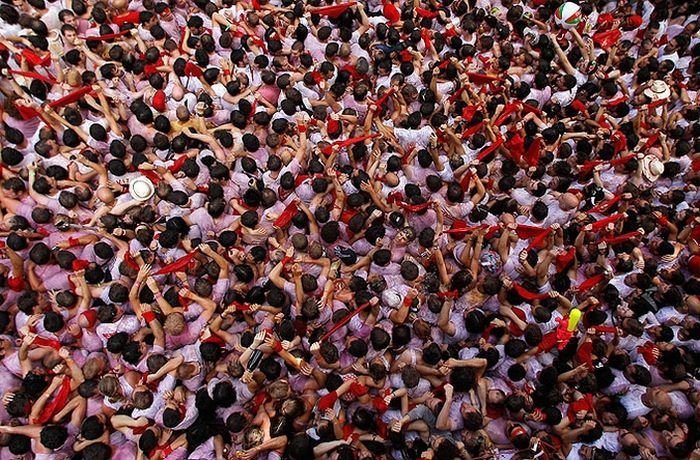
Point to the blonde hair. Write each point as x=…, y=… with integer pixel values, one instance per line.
x=278, y=389
x=73, y=78
x=109, y=386
x=174, y=324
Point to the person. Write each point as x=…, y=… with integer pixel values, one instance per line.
x=348, y=230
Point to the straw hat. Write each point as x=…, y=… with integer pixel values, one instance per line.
x=141, y=188
x=657, y=90
x=652, y=168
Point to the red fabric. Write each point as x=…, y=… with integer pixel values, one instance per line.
x=490, y=149
x=425, y=35
x=79, y=264
x=584, y=354
x=647, y=351
x=192, y=70
x=562, y=261
x=603, y=206
x=177, y=165
x=333, y=11
x=585, y=403
x=588, y=166
x=472, y=130
x=149, y=316
x=381, y=100
x=327, y=150
x=379, y=404
x=622, y=160
x=448, y=294
x=43, y=342
x=150, y=175
x=653, y=139
x=619, y=141
x=34, y=59
x=516, y=147
x=327, y=401
x=607, y=39
x=612, y=240
x=56, y=404
x=513, y=327
x=549, y=341
x=158, y=101
x=591, y=282
x=241, y=306
x=422, y=12
x=531, y=109
x=285, y=218
x=177, y=266
x=34, y=75
x=508, y=110
x=538, y=241
x=481, y=78
x=334, y=126
x=70, y=97
x=532, y=155
x=390, y=12
x=525, y=232
x=358, y=389
x=343, y=321
x=129, y=260
x=694, y=265
x=469, y=111
x=616, y=101
x=27, y=113
x=255, y=4
x=527, y=295
x=215, y=339
x=608, y=220
x=465, y=229
x=579, y=106
x=131, y=16
x=415, y=207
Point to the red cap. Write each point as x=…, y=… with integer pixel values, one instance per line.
x=158, y=101
x=634, y=21
x=79, y=264
x=334, y=126
x=16, y=284
x=90, y=316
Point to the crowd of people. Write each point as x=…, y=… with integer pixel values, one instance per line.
x=396, y=229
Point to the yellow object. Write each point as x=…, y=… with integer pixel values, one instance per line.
x=574, y=318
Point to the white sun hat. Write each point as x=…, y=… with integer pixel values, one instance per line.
x=141, y=188
x=657, y=90
x=652, y=168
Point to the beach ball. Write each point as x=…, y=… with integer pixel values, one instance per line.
x=568, y=15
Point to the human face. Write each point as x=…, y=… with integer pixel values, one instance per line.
x=70, y=37
x=70, y=20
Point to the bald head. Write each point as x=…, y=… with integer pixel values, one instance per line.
x=568, y=201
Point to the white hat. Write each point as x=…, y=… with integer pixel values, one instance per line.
x=391, y=299
x=652, y=168
x=141, y=188
x=657, y=90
